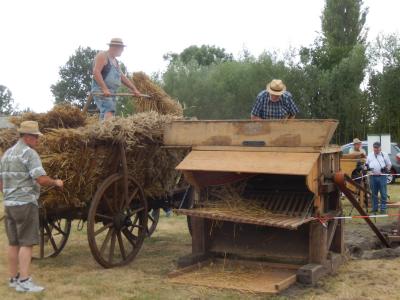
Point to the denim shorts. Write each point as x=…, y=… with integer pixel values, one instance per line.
x=105, y=105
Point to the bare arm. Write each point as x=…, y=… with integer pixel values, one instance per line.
x=291, y=116
x=253, y=117
x=48, y=181
x=130, y=85
x=99, y=62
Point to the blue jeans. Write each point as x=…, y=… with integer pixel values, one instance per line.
x=105, y=104
x=378, y=184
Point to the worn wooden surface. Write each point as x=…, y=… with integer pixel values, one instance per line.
x=318, y=243
x=200, y=235
x=348, y=165
x=250, y=162
x=327, y=149
x=269, y=219
x=273, y=133
x=254, y=277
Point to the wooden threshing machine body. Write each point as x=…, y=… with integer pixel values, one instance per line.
x=287, y=164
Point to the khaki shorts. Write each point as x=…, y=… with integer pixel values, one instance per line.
x=22, y=224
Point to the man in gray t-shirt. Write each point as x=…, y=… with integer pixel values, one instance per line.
x=21, y=175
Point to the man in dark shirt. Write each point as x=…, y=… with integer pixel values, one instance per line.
x=274, y=103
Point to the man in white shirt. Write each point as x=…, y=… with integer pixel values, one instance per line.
x=379, y=163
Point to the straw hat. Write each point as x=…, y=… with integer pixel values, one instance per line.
x=116, y=42
x=356, y=141
x=276, y=87
x=29, y=127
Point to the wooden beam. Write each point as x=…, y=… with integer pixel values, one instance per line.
x=331, y=232
x=272, y=133
x=341, y=179
x=328, y=149
x=200, y=235
x=318, y=243
x=337, y=244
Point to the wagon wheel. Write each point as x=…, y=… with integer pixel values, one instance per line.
x=154, y=216
x=117, y=228
x=53, y=236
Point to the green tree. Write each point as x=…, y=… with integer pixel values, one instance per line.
x=342, y=28
x=383, y=85
x=6, y=101
x=226, y=90
x=335, y=67
x=76, y=78
x=204, y=55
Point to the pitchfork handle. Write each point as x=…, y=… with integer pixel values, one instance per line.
x=90, y=97
x=123, y=94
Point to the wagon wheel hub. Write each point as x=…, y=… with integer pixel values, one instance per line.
x=122, y=220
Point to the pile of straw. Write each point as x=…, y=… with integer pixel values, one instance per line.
x=160, y=101
x=228, y=199
x=61, y=116
x=81, y=156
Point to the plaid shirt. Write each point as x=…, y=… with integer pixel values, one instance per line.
x=264, y=108
x=19, y=167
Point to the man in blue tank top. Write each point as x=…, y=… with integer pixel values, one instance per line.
x=107, y=78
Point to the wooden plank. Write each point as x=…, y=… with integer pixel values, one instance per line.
x=255, y=263
x=279, y=221
x=331, y=232
x=251, y=162
x=200, y=235
x=327, y=149
x=242, y=276
x=190, y=268
x=275, y=133
x=394, y=238
x=285, y=283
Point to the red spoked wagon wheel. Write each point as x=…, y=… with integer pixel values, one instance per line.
x=117, y=221
x=53, y=236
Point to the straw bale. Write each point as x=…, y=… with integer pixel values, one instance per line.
x=8, y=137
x=61, y=116
x=82, y=156
x=160, y=101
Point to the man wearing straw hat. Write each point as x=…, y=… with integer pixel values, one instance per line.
x=274, y=103
x=107, y=78
x=21, y=174
x=357, y=149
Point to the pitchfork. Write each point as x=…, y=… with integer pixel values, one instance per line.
x=90, y=98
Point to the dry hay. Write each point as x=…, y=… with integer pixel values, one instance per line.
x=160, y=101
x=82, y=156
x=228, y=198
x=61, y=116
x=8, y=137
x=244, y=276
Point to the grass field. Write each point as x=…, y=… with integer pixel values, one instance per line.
x=75, y=275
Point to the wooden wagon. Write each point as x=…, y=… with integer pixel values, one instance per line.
x=118, y=218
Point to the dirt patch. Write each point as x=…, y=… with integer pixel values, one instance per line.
x=362, y=243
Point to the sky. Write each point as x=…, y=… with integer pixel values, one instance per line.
x=38, y=37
